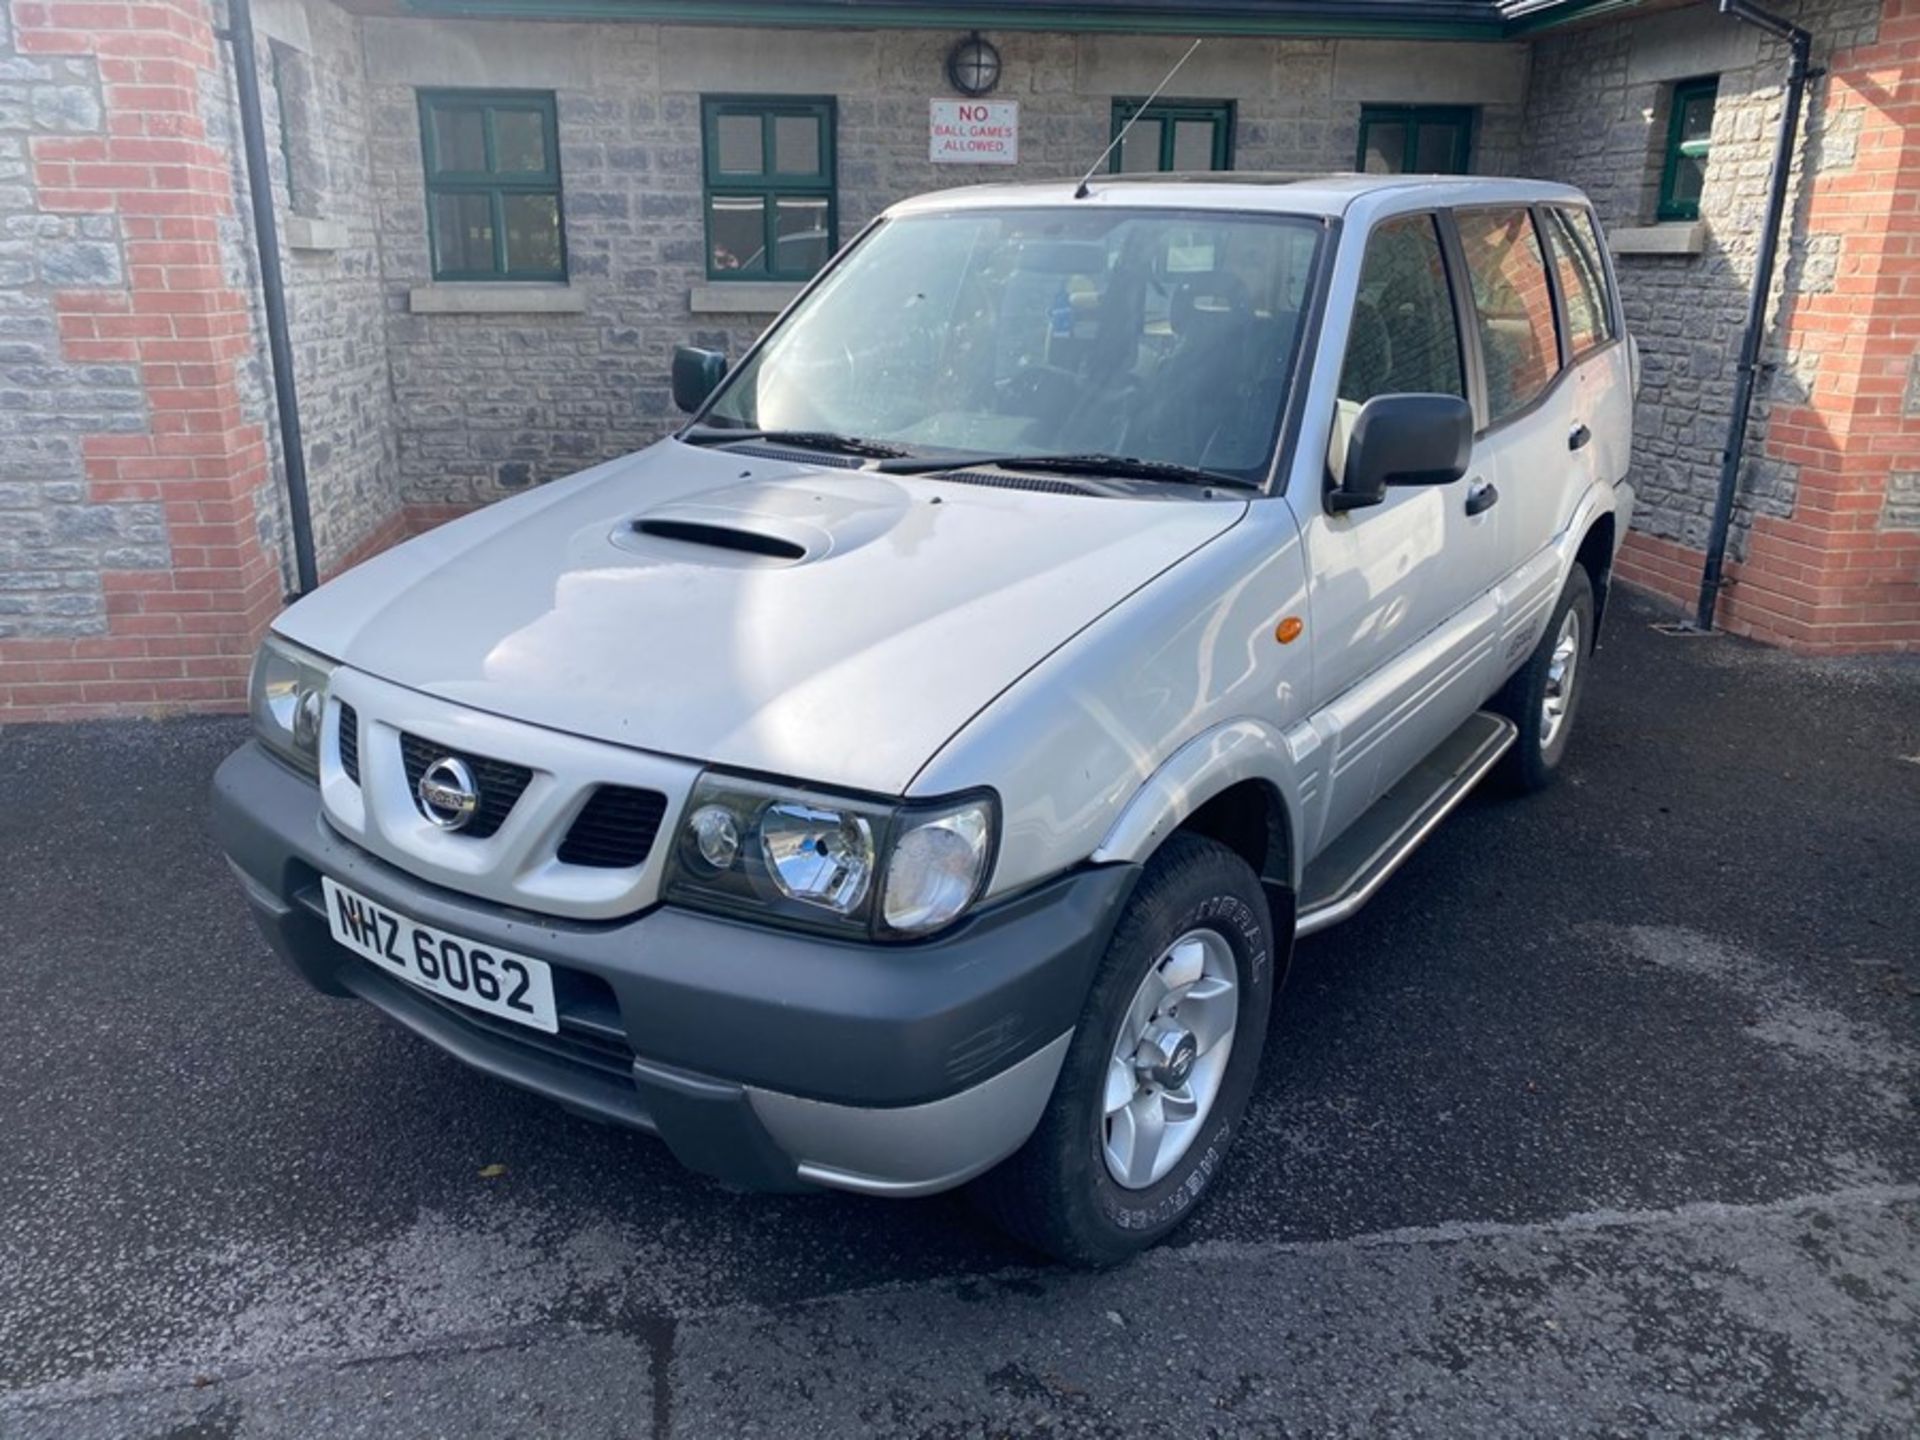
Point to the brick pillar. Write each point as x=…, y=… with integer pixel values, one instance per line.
x=1842, y=573
x=180, y=636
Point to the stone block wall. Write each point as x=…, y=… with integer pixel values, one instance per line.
x=134, y=458
x=313, y=74
x=487, y=404
x=142, y=513
x=1597, y=115
x=58, y=534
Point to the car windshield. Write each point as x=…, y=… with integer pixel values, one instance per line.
x=1157, y=335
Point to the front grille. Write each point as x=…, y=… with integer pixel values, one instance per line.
x=616, y=829
x=350, y=742
x=499, y=783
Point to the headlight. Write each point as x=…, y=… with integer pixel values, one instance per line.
x=936, y=866
x=828, y=861
x=288, y=698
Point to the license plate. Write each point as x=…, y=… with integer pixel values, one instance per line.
x=513, y=987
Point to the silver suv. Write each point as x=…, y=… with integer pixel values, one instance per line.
x=916, y=770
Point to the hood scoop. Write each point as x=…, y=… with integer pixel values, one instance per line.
x=762, y=524
x=721, y=536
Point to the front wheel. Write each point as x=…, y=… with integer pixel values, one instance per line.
x=1159, y=1070
x=1543, y=696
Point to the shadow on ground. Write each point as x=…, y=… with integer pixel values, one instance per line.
x=1624, y=1074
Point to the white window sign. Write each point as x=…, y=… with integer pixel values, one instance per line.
x=973, y=132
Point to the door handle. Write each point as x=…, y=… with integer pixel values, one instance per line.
x=1578, y=437
x=1481, y=496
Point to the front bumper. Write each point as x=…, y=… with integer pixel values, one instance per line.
x=768, y=1058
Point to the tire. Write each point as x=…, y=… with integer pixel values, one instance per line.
x=1534, y=759
x=1059, y=1192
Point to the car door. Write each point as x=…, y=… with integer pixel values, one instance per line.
x=1602, y=436
x=1401, y=592
x=1533, y=447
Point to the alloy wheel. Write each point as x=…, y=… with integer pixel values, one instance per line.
x=1562, y=666
x=1169, y=1058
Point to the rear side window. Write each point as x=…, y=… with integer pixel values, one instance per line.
x=1513, y=306
x=1404, y=336
x=1583, y=279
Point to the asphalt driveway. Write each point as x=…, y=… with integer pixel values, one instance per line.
x=1601, y=1119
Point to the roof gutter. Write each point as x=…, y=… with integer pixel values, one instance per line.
x=1799, y=72
x=1371, y=19
x=1332, y=19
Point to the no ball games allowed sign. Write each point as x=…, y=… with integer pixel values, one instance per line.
x=973, y=132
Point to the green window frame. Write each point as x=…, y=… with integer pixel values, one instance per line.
x=1168, y=116
x=517, y=244
x=730, y=194
x=1683, y=172
x=1417, y=122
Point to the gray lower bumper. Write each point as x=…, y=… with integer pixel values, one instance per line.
x=768, y=1058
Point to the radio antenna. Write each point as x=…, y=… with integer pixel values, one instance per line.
x=1080, y=190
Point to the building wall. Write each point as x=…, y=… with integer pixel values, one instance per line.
x=134, y=450
x=1597, y=115
x=488, y=404
x=143, y=526
x=319, y=118
x=57, y=534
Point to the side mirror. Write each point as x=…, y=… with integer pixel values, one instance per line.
x=696, y=375
x=1403, y=440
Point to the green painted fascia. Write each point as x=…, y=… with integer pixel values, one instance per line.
x=1515, y=20
x=1168, y=20
x=1555, y=13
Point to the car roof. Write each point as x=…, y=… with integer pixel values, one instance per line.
x=1278, y=191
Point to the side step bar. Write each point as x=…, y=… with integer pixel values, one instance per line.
x=1346, y=875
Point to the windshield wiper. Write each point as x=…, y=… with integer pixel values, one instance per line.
x=804, y=439
x=1123, y=467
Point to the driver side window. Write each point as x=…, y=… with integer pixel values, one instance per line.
x=1405, y=336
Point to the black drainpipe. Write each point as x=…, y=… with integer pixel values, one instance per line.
x=273, y=290
x=1798, y=73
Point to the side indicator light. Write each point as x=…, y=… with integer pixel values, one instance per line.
x=1288, y=630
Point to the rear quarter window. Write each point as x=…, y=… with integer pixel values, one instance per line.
x=1582, y=272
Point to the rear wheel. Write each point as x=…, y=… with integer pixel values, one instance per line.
x=1543, y=696
x=1159, y=1069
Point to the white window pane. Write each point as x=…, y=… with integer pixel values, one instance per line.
x=519, y=142
x=462, y=233
x=1140, y=151
x=738, y=233
x=533, y=232
x=459, y=139
x=1386, y=148
x=796, y=144
x=739, y=137
x=1696, y=119
x=1193, y=145
x=801, y=225
x=1436, y=149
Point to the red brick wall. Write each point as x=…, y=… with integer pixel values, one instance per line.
x=179, y=637
x=1832, y=578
